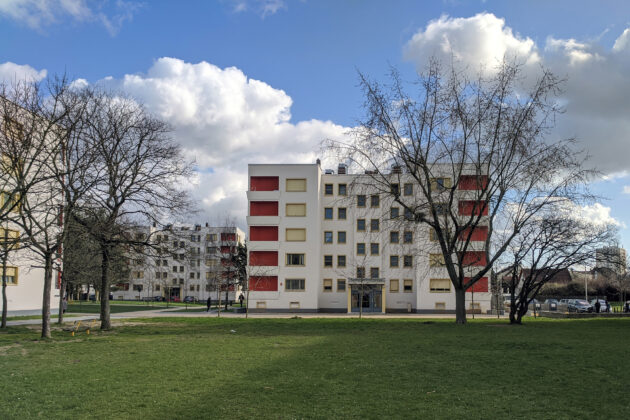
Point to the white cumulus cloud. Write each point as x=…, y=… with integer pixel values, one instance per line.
x=11, y=72
x=225, y=120
x=596, y=92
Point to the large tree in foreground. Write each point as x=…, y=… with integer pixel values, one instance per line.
x=476, y=154
x=135, y=178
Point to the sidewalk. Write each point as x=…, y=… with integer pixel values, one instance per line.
x=173, y=313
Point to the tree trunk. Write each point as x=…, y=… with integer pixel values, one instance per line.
x=247, y=304
x=460, y=306
x=46, y=298
x=226, y=298
x=106, y=323
x=4, y=287
x=219, y=299
x=62, y=292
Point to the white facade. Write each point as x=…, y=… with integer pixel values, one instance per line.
x=187, y=264
x=395, y=255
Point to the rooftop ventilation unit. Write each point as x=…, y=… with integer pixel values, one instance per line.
x=329, y=172
x=342, y=169
x=396, y=169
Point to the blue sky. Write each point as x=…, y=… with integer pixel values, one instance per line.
x=293, y=75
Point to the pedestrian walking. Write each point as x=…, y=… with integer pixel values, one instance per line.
x=208, y=304
x=597, y=305
x=241, y=298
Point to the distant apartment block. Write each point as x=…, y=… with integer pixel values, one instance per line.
x=184, y=261
x=612, y=258
x=320, y=241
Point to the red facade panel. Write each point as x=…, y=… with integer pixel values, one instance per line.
x=263, y=283
x=264, y=183
x=479, y=233
x=263, y=233
x=481, y=285
x=474, y=258
x=472, y=182
x=473, y=208
x=228, y=249
x=228, y=237
x=263, y=208
x=265, y=258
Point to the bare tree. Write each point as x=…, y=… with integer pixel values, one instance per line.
x=136, y=176
x=549, y=244
x=472, y=149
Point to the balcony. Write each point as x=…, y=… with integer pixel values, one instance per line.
x=263, y=220
x=262, y=245
x=263, y=195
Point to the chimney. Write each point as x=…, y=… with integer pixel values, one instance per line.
x=341, y=169
x=319, y=162
x=396, y=169
x=206, y=224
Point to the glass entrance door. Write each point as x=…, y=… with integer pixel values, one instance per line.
x=371, y=301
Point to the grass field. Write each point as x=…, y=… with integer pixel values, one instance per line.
x=95, y=308
x=320, y=368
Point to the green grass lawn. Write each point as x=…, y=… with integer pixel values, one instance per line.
x=320, y=368
x=26, y=317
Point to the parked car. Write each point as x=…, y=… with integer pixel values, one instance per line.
x=175, y=299
x=551, y=304
x=190, y=299
x=534, y=304
x=159, y=298
x=604, y=305
x=147, y=299
x=93, y=298
x=579, y=305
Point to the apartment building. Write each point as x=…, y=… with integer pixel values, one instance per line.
x=24, y=271
x=612, y=258
x=184, y=261
x=329, y=242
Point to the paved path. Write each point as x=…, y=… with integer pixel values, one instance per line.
x=174, y=313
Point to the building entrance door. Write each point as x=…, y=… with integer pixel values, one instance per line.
x=371, y=301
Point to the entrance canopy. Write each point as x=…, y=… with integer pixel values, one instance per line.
x=356, y=281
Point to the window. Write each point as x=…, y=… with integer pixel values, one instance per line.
x=181, y=268
x=328, y=189
x=341, y=213
x=436, y=260
x=138, y=287
x=174, y=269
x=192, y=275
x=181, y=281
x=408, y=261
x=440, y=208
x=10, y=202
x=296, y=210
x=341, y=260
x=295, y=259
x=192, y=287
x=295, y=235
x=433, y=235
x=374, y=272
x=328, y=260
x=475, y=306
x=407, y=237
x=360, y=201
x=343, y=189
x=294, y=285
x=394, y=213
x=408, y=215
x=327, y=285
x=375, y=225
x=394, y=237
x=360, y=248
x=296, y=185
x=393, y=286
x=13, y=238
x=328, y=237
x=395, y=189
x=393, y=260
x=360, y=272
x=408, y=189
x=375, y=201
x=440, y=184
x=328, y=213
x=261, y=305
x=157, y=287
x=11, y=276
x=374, y=248
x=440, y=306
x=407, y=286
x=361, y=225
x=341, y=285
x=341, y=237
x=439, y=285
